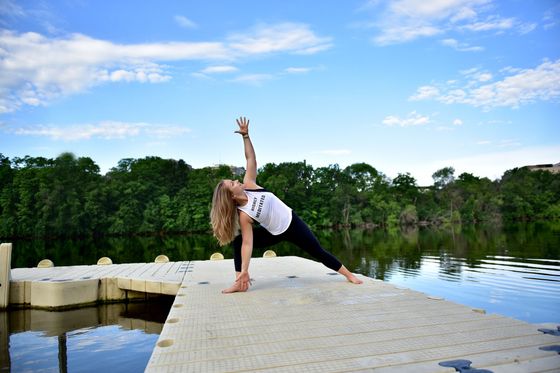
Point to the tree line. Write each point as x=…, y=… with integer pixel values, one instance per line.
x=68, y=196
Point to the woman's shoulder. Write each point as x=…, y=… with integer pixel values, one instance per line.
x=253, y=187
x=258, y=190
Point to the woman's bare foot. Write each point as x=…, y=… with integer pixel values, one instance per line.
x=349, y=275
x=235, y=288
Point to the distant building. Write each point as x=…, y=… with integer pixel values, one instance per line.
x=554, y=168
x=236, y=171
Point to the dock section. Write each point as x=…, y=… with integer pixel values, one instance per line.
x=63, y=287
x=301, y=317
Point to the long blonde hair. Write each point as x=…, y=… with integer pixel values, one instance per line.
x=225, y=222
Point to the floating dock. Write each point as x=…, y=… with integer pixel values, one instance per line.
x=66, y=287
x=298, y=316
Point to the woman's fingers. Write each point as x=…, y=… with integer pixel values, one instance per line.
x=242, y=121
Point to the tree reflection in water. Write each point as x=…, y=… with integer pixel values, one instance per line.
x=44, y=340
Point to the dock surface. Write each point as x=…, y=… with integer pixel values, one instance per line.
x=301, y=317
x=72, y=286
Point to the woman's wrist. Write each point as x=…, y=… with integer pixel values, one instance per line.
x=245, y=135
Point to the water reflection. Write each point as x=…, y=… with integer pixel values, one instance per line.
x=115, y=337
x=513, y=271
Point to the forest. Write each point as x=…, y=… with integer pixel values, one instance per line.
x=68, y=196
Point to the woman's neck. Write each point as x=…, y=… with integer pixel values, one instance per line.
x=241, y=199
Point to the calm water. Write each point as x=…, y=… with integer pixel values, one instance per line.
x=109, y=338
x=514, y=271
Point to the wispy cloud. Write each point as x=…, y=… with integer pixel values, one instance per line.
x=36, y=69
x=184, y=22
x=285, y=37
x=521, y=87
x=253, y=79
x=491, y=23
x=551, y=17
x=412, y=119
x=402, y=21
x=505, y=143
x=107, y=130
x=425, y=92
x=297, y=70
x=9, y=8
x=461, y=47
x=508, y=143
x=219, y=69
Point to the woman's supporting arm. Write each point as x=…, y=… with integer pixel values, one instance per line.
x=246, y=225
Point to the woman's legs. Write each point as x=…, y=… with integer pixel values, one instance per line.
x=300, y=234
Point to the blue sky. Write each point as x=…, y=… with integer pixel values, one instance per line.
x=405, y=85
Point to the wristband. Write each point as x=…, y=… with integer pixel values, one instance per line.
x=246, y=136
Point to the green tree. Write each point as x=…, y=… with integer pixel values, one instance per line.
x=443, y=177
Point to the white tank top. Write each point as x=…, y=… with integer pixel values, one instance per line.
x=267, y=209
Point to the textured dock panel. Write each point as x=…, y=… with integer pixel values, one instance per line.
x=299, y=317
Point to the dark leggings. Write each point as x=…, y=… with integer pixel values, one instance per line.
x=297, y=233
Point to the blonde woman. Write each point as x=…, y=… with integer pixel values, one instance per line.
x=236, y=206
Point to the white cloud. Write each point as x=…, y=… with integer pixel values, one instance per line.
x=413, y=119
x=401, y=34
x=297, y=70
x=526, y=28
x=11, y=9
x=253, y=79
x=524, y=86
x=184, y=22
x=402, y=21
x=550, y=17
x=284, y=37
x=219, y=69
x=490, y=24
x=406, y=20
x=461, y=47
x=148, y=73
x=457, y=122
x=462, y=14
x=107, y=130
x=35, y=69
x=425, y=92
x=508, y=143
x=484, y=77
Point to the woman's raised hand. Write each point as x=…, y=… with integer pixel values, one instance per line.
x=243, y=124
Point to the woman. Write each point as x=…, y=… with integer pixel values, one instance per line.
x=236, y=205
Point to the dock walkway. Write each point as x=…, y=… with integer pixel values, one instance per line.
x=300, y=317
x=63, y=287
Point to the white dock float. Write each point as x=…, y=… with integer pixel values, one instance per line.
x=299, y=317
x=59, y=287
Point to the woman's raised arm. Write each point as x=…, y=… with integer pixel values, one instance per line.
x=250, y=179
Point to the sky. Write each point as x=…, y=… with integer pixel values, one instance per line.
x=405, y=85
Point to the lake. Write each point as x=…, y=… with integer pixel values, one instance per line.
x=512, y=270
